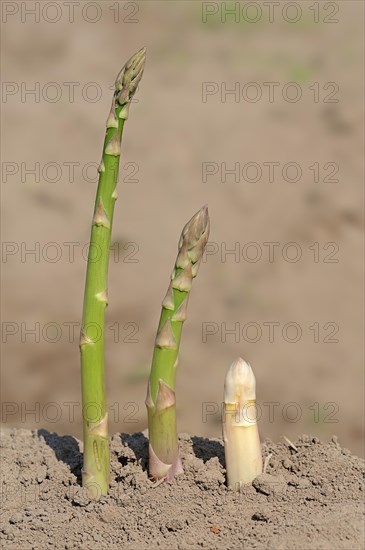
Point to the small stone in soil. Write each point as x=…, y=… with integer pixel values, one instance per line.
x=81, y=498
x=174, y=525
x=260, y=516
x=269, y=484
x=16, y=518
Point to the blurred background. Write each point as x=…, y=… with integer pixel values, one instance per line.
x=254, y=108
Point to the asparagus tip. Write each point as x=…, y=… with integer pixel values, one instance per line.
x=194, y=236
x=240, y=383
x=129, y=77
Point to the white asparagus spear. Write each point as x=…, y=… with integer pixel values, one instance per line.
x=240, y=433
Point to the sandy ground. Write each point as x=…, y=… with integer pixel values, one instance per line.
x=311, y=497
x=310, y=369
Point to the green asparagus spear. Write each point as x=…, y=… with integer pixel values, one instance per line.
x=164, y=456
x=95, y=472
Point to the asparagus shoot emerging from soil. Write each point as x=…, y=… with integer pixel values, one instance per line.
x=164, y=456
x=240, y=433
x=95, y=472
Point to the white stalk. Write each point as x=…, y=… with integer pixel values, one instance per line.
x=240, y=432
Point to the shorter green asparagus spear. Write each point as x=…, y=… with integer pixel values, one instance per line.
x=164, y=456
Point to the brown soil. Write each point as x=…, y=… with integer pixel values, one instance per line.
x=310, y=497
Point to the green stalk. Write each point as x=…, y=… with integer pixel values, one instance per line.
x=95, y=472
x=164, y=456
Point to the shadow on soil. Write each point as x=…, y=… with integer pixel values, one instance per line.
x=66, y=449
x=138, y=442
x=205, y=449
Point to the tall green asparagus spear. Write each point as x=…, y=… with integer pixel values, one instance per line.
x=95, y=472
x=164, y=456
